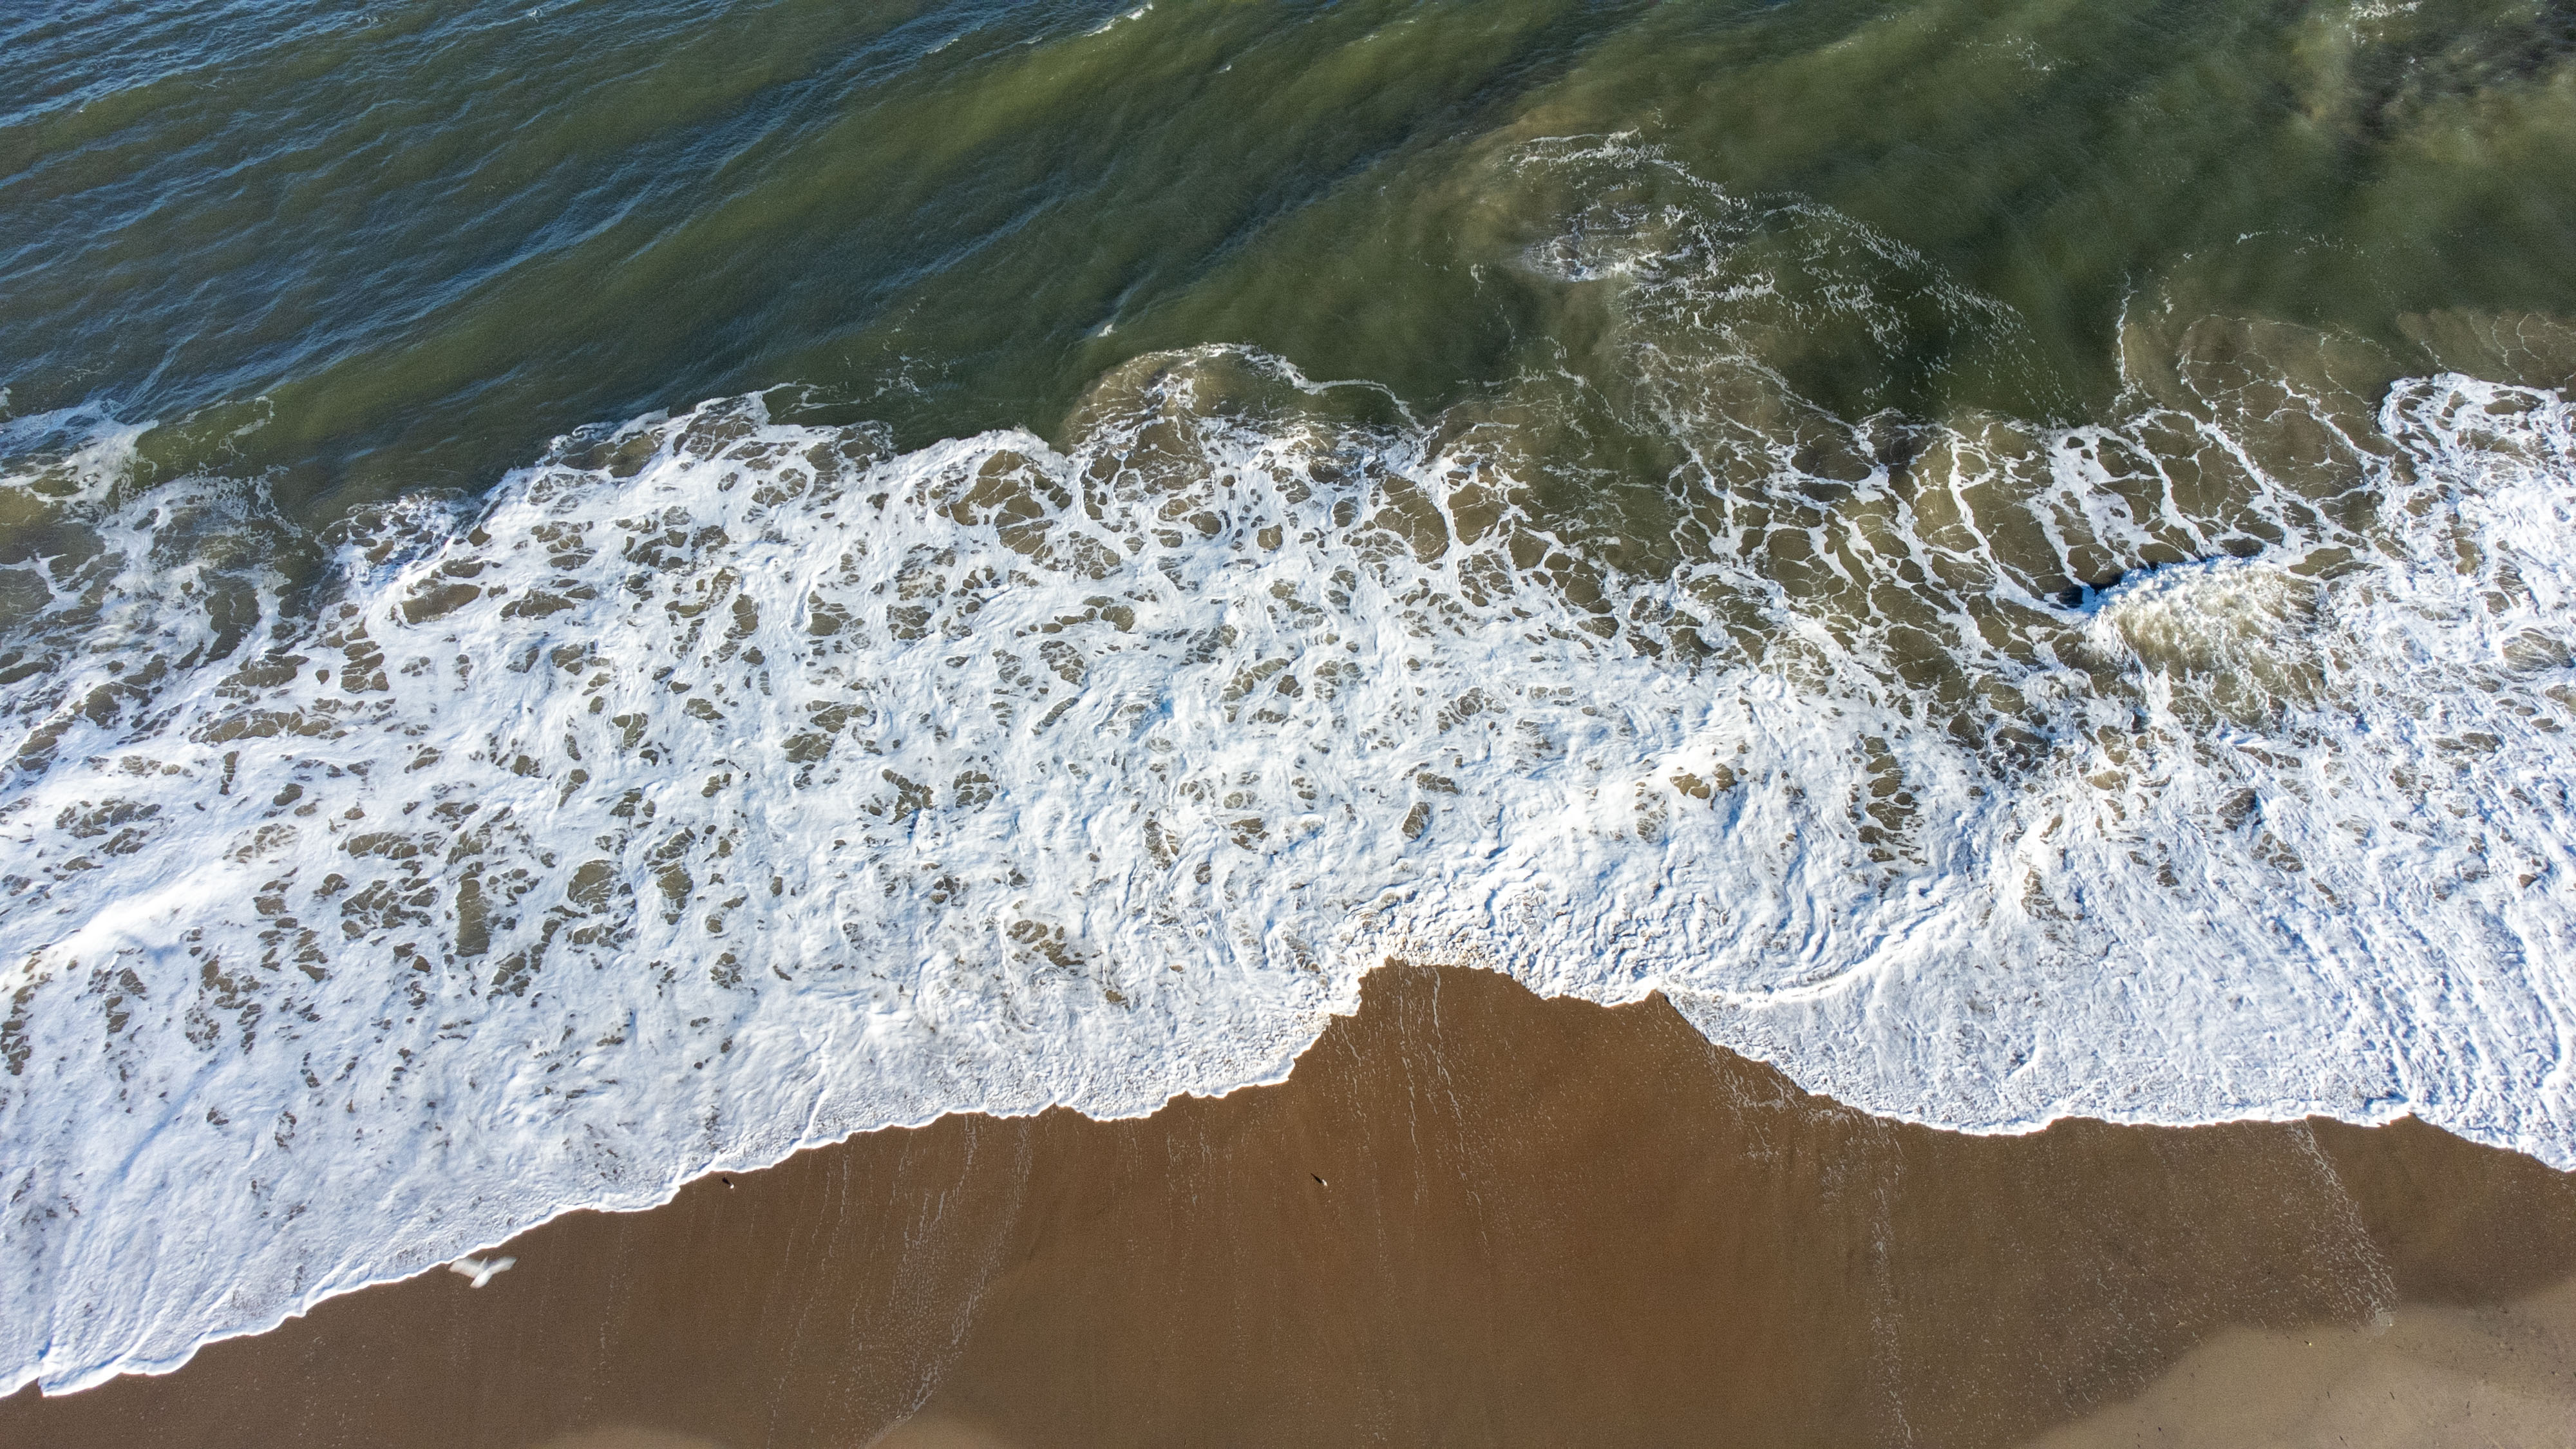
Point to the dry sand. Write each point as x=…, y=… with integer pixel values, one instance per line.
x=2423, y=1374
x=1471, y=1217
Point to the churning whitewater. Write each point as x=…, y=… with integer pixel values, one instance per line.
x=721, y=784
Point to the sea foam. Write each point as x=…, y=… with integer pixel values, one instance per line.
x=720, y=785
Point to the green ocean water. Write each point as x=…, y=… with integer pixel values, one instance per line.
x=591, y=592
x=367, y=251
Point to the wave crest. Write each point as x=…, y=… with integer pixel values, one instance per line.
x=722, y=784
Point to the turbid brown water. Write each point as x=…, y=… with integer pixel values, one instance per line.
x=1471, y=1216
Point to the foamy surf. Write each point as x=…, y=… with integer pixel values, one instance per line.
x=721, y=785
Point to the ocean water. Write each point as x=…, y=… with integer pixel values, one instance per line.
x=592, y=593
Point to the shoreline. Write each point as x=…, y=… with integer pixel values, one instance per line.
x=1653, y=999
x=1466, y=1199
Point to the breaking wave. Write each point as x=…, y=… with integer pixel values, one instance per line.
x=721, y=784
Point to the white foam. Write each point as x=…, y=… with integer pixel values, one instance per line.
x=481, y=1270
x=720, y=786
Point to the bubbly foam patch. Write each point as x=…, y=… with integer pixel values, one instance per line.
x=720, y=785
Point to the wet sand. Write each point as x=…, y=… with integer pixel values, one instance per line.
x=1470, y=1217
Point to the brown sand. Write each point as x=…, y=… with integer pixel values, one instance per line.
x=1471, y=1217
x=2423, y=1374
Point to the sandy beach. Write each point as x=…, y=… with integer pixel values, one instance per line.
x=1471, y=1216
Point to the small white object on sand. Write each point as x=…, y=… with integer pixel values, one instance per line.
x=480, y=1269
